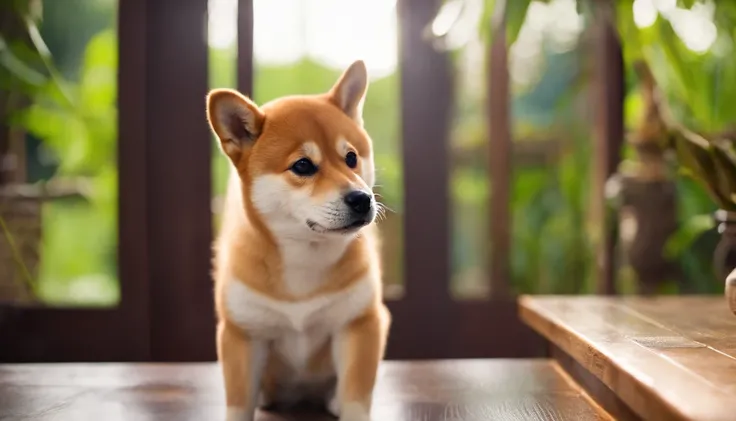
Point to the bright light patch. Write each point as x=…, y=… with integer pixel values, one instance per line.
x=645, y=14
x=557, y=23
x=695, y=27
x=222, y=23
x=332, y=32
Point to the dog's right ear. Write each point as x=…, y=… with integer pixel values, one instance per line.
x=236, y=120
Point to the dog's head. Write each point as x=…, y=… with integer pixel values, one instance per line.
x=305, y=162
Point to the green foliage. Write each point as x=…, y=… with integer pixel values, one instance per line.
x=515, y=14
x=77, y=122
x=699, y=89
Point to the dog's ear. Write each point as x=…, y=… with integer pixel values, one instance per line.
x=348, y=93
x=236, y=120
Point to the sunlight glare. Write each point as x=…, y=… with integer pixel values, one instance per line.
x=555, y=24
x=222, y=23
x=665, y=6
x=645, y=14
x=446, y=17
x=341, y=31
x=694, y=27
x=332, y=32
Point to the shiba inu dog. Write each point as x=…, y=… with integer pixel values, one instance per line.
x=297, y=275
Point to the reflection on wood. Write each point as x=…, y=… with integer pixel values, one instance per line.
x=670, y=358
x=458, y=390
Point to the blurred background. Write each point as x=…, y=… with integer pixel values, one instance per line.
x=59, y=134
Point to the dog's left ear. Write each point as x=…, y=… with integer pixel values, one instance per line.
x=348, y=93
x=236, y=120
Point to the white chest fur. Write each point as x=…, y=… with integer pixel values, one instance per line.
x=296, y=329
x=306, y=265
x=259, y=314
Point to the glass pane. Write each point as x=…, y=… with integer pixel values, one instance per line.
x=552, y=140
x=59, y=171
x=469, y=176
x=300, y=48
x=550, y=160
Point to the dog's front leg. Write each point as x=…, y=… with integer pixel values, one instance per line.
x=242, y=360
x=357, y=350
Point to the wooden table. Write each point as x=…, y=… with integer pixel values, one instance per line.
x=468, y=390
x=633, y=358
x=667, y=358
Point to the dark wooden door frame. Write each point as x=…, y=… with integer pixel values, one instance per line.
x=166, y=311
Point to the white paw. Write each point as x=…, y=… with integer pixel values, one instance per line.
x=333, y=405
x=354, y=411
x=238, y=414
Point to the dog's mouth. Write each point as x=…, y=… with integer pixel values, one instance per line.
x=347, y=229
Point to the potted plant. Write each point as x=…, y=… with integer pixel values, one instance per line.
x=712, y=162
x=644, y=194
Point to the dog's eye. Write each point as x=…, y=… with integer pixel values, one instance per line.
x=304, y=167
x=351, y=159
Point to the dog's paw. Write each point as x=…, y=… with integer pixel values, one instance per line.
x=333, y=405
x=238, y=414
x=354, y=411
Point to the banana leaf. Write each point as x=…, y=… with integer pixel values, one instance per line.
x=696, y=161
x=725, y=172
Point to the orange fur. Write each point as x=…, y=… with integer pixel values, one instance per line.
x=259, y=282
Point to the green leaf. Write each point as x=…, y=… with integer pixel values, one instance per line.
x=98, y=84
x=486, y=32
x=687, y=233
x=18, y=68
x=515, y=14
x=725, y=172
x=633, y=109
x=696, y=162
x=63, y=132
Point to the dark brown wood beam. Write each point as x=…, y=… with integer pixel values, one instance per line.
x=178, y=177
x=426, y=105
x=246, y=67
x=608, y=133
x=499, y=121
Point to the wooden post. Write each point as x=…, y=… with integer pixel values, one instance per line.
x=608, y=135
x=500, y=157
x=178, y=182
x=246, y=67
x=426, y=104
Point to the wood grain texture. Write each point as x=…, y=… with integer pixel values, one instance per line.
x=452, y=390
x=668, y=358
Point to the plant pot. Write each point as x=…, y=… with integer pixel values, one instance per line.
x=648, y=218
x=724, y=258
x=21, y=217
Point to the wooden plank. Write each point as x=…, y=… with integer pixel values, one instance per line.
x=705, y=322
x=609, y=92
x=460, y=390
x=426, y=103
x=599, y=392
x=660, y=372
x=246, y=64
x=178, y=180
x=500, y=154
x=480, y=329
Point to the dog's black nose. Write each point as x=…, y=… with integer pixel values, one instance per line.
x=359, y=201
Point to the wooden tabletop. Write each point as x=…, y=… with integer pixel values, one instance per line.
x=668, y=358
x=467, y=390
